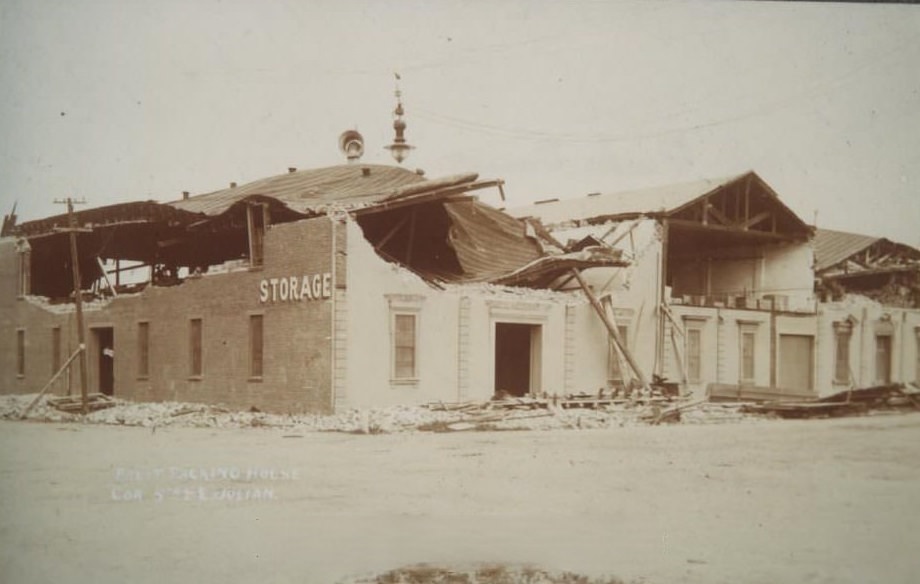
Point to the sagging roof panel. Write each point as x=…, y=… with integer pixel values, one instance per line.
x=305, y=190
x=487, y=241
x=653, y=200
x=832, y=247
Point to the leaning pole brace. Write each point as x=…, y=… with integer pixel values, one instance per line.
x=51, y=381
x=612, y=330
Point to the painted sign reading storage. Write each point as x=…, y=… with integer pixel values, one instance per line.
x=294, y=288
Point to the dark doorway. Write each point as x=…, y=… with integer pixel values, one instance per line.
x=105, y=359
x=517, y=358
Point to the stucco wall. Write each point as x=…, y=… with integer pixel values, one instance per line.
x=869, y=319
x=788, y=269
x=456, y=328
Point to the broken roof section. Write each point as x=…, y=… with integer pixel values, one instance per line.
x=834, y=248
x=433, y=227
x=878, y=268
x=741, y=204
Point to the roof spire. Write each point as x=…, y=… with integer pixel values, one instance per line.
x=399, y=148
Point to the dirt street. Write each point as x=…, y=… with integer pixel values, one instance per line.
x=761, y=502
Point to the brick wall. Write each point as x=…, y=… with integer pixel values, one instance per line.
x=297, y=362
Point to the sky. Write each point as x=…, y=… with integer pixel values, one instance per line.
x=116, y=101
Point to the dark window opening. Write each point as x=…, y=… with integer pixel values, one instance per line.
x=143, y=349
x=55, y=349
x=195, y=357
x=255, y=345
x=21, y=352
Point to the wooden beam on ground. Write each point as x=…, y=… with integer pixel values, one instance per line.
x=612, y=330
x=51, y=381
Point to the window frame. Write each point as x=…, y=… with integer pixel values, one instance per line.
x=55, y=349
x=395, y=374
x=843, y=336
x=20, y=353
x=196, y=348
x=405, y=305
x=747, y=330
x=256, y=373
x=24, y=263
x=143, y=349
x=697, y=325
x=257, y=221
x=614, y=370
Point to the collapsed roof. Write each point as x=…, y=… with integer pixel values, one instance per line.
x=435, y=228
x=884, y=270
x=702, y=214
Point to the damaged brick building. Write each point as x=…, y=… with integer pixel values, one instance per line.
x=311, y=291
x=365, y=285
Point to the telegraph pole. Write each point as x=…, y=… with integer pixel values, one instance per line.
x=77, y=291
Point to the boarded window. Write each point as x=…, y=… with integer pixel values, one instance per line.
x=195, y=363
x=255, y=345
x=694, y=362
x=404, y=346
x=143, y=349
x=55, y=349
x=21, y=352
x=614, y=364
x=843, y=331
x=747, y=356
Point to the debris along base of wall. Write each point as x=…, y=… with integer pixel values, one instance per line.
x=478, y=574
x=496, y=415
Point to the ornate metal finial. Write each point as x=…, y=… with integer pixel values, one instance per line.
x=399, y=148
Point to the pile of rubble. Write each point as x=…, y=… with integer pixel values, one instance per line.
x=578, y=412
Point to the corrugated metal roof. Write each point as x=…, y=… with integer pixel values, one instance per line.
x=306, y=190
x=832, y=247
x=488, y=243
x=659, y=199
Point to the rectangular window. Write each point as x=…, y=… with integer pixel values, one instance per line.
x=747, y=357
x=256, y=218
x=842, y=334
x=143, y=349
x=21, y=352
x=614, y=365
x=404, y=346
x=883, y=359
x=255, y=345
x=694, y=353
x=195, y=364
x=55, y=349
x=25, y=271
x=917, y=346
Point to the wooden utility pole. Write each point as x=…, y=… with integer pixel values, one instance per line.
x=77, y=292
